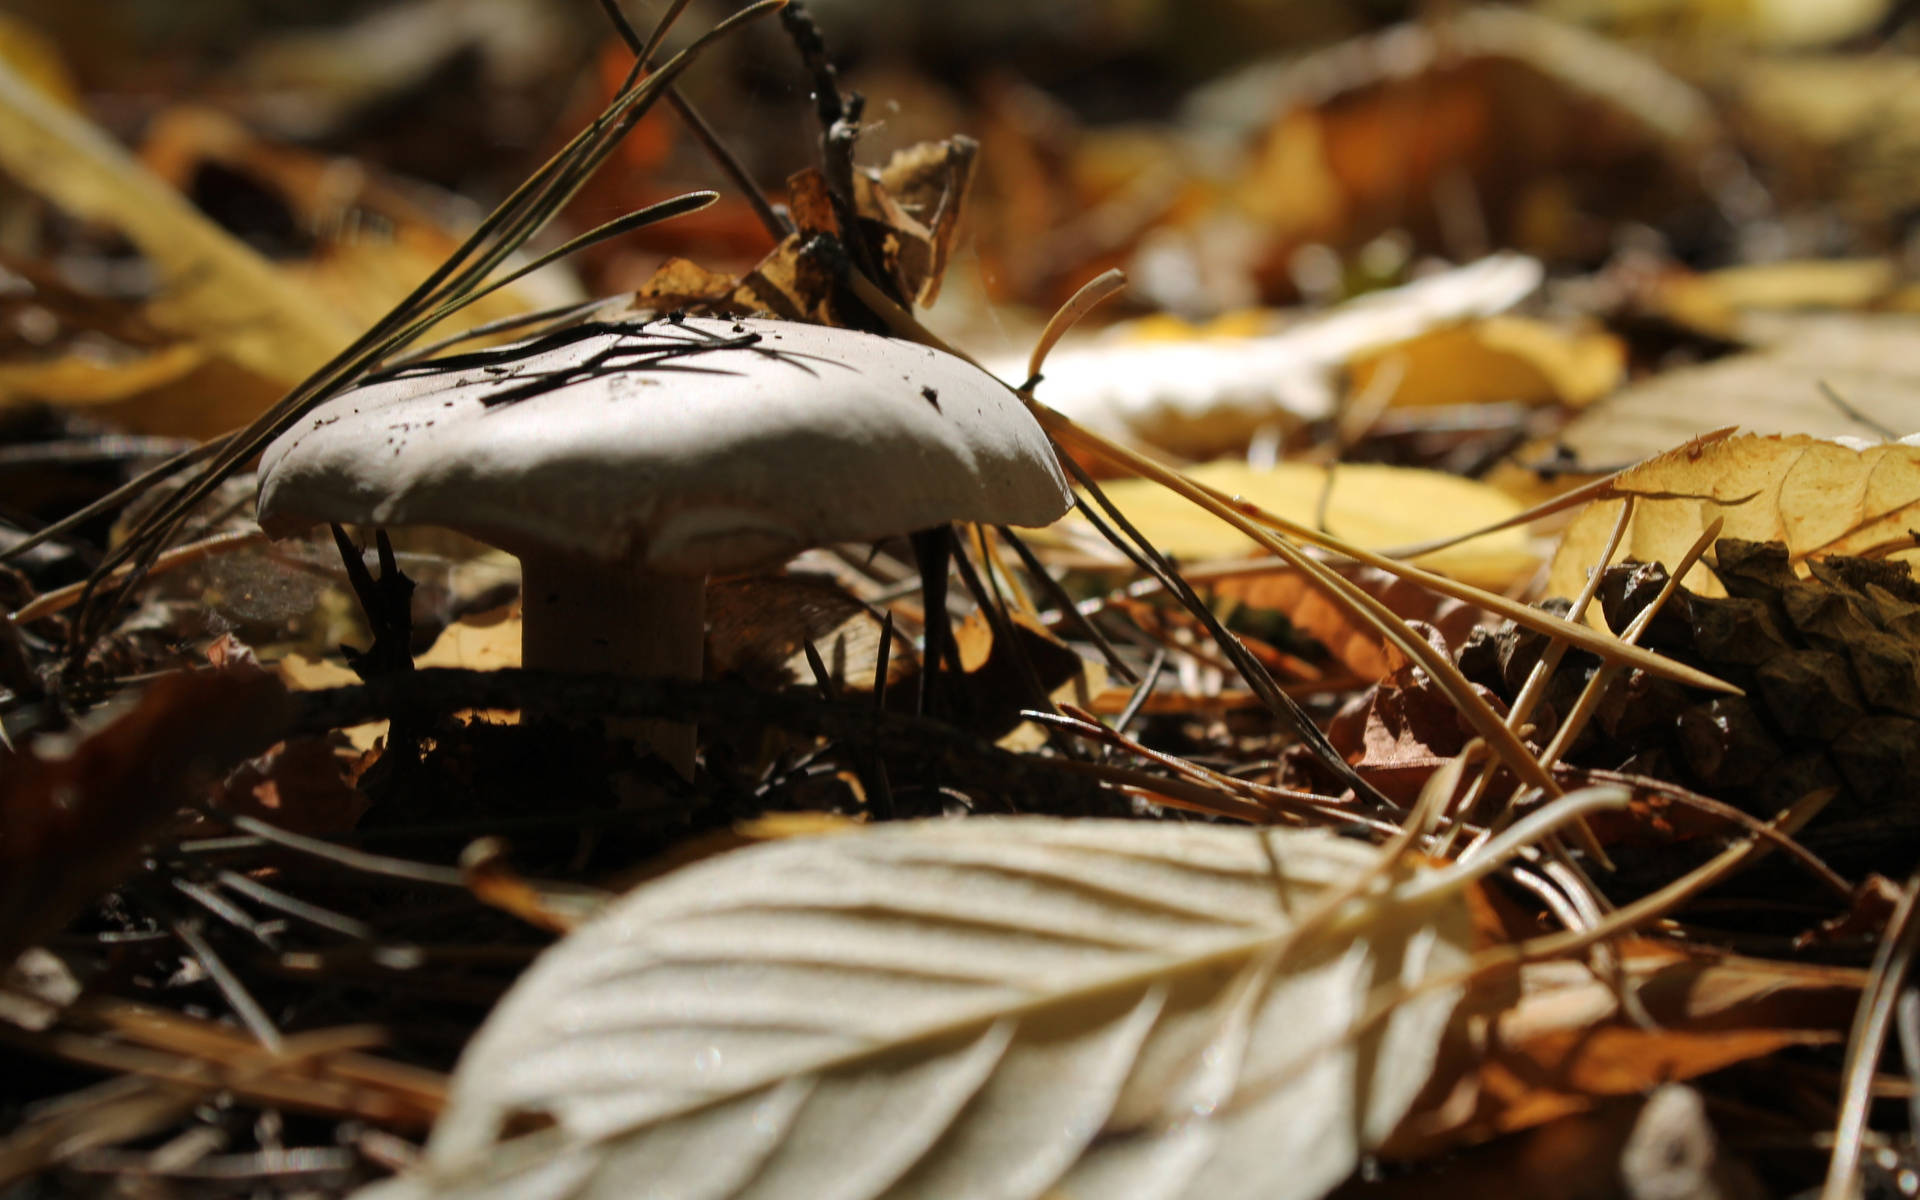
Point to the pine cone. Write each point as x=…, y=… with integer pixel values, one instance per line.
x=1831, y=670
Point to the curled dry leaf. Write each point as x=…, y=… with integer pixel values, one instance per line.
x=907, y=211
x=982, y=1008
x=1818, y=497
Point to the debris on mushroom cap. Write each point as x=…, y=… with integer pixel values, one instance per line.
x=697, y=444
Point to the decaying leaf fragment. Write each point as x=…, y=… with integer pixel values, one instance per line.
x=982, y=1008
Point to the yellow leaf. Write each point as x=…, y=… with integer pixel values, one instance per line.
x=109, y=358
x=216, y=287
x=1496, y=360
x=84, y=381
x=477, y=642
x=35, y=58
x=1842, y=283
x=1375, y=506
x=371, y=242
x=1240, y=323
x=1290, y=186
x=1817, y=497
x=302, y=673
x=1777, y=24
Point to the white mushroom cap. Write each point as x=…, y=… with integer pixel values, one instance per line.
x=690, y=446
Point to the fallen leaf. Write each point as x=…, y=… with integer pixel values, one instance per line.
x=1000, y=678
x=216, y=287
x=477, y=641
x=1831, y=131
x=1397, y=733
x=1365, y=503
x=299, y=785
x=1711, y=299
x=1664, y=1146
x=483, y=641
x=109, y=357
x=1359, y=647
x=341, y=231
x=76, y=808
x=1779, y=24
x=1496, y=360
x=1818, y=497
x=680, y=283
x=920, y=195
x=1495, y=125
x=986, y=1007
x=76, y=380
x=36, y=59
x=1785, y=386
x=1204, y=396
x=909, y=236
x=1560, y=1042
x=757, y=627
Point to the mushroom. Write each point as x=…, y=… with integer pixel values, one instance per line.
x=621, y=463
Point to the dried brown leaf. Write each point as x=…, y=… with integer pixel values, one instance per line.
x=1560, y=1041
x=1358, y=647
x=757, y=627
x=75, y=809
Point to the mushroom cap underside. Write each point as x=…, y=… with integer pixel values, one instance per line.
x=699, y=445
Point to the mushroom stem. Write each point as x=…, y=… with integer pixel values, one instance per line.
x=587, y=614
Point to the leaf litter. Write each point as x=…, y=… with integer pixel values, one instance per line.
x=962, y=900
